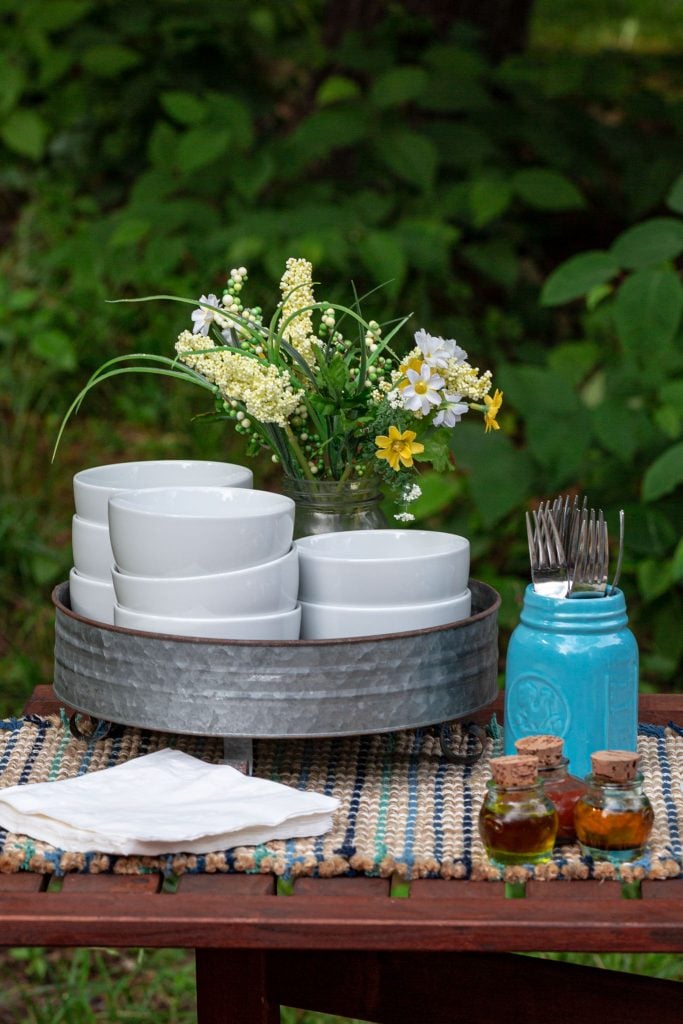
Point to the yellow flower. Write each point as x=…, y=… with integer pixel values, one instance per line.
x=492, y=408
x=398, y=449
x=411, y=363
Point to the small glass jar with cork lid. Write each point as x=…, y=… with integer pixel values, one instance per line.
x=614, y=818
x=560, y=787
x=517, y=821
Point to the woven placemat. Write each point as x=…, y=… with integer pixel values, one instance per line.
x=404, y=808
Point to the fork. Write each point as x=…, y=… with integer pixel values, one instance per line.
x=589, y=573
x=546, y=555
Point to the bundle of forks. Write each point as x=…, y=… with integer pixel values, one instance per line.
x=569, y=549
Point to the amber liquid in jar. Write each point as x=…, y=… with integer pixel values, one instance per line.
x=563, y=790
x=517, y=826
x=613, y=821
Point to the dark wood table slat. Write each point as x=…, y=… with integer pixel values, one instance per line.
x=220, y=884
x=22, y=881
x=252, y=922
x=118, y=885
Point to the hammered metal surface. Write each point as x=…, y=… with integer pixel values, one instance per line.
x=278, y=689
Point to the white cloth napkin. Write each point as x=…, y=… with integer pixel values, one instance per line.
x=166, y=802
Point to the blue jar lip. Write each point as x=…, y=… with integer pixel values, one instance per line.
x=585, y=613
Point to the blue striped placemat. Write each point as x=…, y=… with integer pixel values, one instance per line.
x=404, y=808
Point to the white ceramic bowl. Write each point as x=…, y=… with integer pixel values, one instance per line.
x=325, y=621
x=93, y=599
x=259, y=590
x=92, y=551
x=195, y=531
x=382, y=567
x=280, y=626
x=94, y=487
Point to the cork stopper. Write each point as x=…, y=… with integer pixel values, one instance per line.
x=514, y=770
x=546, y=748
x=615, y=765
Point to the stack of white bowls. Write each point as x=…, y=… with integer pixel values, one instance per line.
x=374, y=582
x=90, y=581
x=205, y=562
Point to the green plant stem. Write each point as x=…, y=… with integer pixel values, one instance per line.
x=300, y=457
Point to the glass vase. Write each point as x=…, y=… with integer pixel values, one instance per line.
x=330, y=506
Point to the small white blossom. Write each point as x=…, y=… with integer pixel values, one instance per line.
x=437, y=352
x=451, y=410
x=422, y=391
x=404, y=517
x=411, y=493
x=202, y=318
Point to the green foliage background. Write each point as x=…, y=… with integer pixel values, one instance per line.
x=530, y=209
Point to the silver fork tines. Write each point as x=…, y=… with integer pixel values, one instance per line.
x=546, y=555
x=589, y=572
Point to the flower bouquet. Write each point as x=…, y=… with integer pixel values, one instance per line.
x=321, y=387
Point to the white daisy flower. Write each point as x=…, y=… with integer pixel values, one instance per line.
x=450, y=411
x=422, y=391
x=437, y=352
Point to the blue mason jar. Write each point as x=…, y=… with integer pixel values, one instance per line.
x=572, y=670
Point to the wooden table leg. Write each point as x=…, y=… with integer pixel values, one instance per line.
x=232, y=987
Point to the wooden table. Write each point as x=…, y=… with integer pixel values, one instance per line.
x=367, y=947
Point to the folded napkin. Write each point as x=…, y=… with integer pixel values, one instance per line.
x=166, y=802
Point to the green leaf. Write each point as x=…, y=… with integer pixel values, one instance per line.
x=128, y=232
x=674, y=200
x=439, y=490
x=336, y=89
x=677, y=564
x=648, y=310
x=183, y=107
x=199, y=147
x=574, y=360
x=384, y=258
x=409, y=155
x=578, y=275
x=596, y=295
x=496, y=259
x=427, y=243
x=654, y=578
x=162, y=145
x=664, y=475
x=55, y=348
x=619, y=429
x=325, y=131
x=25, y=132
x=546, y=190
x=501, y=476
x=654, y=241
x=398, y=85
x=436, y=451
x=489, y=196
x=57, y=14
x=12, y=81
x=107, y=60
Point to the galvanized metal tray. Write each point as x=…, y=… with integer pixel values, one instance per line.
x=274, y=689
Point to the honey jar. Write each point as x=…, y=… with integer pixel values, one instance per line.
x=517, y=821
x=614, y=818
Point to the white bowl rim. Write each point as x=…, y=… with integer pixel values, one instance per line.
x=83, y=476
x=232, y=573
x=307, y=547
x=268, y=616
x=385, y=609
x=76, y=520
x=125, y=500
x=93, y=581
